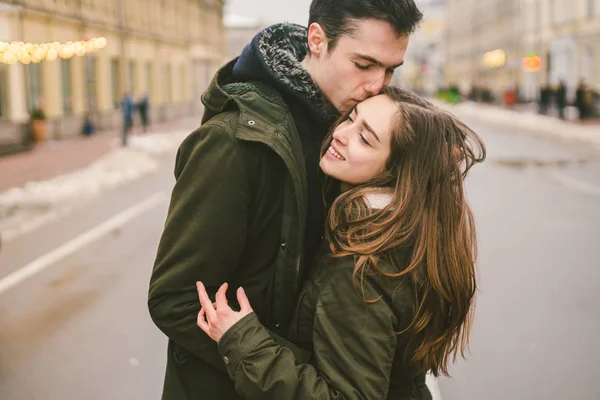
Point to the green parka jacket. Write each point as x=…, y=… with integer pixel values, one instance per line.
x=358, y=352
x=237, y=215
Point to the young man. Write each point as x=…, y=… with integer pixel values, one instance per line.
x=246, y=207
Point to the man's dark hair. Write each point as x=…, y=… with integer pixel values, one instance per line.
x=338, y=17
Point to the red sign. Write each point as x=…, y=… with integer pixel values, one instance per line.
x=532, y=63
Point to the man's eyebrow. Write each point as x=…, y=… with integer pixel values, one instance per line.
x=375, y=61
x=367, y=126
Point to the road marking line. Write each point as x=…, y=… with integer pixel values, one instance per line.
x=80, y=241
x=434, y=388
x=576, y=185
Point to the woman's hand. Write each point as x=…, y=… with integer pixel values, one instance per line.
x=216, y=319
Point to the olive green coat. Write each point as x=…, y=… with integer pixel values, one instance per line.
x=357, y=351
x=237, y=215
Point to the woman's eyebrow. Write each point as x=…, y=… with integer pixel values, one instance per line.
x=367, y=126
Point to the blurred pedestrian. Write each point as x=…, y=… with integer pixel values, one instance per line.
x=88, y=126
x=561, y=99
x=592, y=102
x=474, y=94
x=143, y=106
x=127, y=108
x=247, y=203
x=580, y=100
x=545, y=98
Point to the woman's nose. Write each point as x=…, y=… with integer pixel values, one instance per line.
x=340, y=135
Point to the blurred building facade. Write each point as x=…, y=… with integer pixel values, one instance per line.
x=167, y=50
x=240, y=30
x=423, y=69
x=566, y=37
x=489, y=43
x=484, y=43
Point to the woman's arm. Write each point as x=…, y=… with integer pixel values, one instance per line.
x=354, y=346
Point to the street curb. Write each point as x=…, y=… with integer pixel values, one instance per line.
x=539, y=125
x=14, y=230
x=19, y=225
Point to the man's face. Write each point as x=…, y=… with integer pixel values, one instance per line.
x=361, y=64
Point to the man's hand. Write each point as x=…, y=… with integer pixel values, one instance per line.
x=216, y=319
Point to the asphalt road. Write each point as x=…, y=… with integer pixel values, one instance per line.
x=537, y=208
x=76, y=325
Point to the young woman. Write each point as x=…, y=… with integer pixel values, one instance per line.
x=391, y=295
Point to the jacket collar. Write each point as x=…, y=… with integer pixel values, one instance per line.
x=283, y=47
x=275, y=57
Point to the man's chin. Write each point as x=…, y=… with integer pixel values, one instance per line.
x=347, y=106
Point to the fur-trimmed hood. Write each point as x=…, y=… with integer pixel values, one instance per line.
x=275, y=57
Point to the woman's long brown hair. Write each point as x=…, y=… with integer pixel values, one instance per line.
x=431, y=153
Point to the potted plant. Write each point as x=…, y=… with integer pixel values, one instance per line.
x=38, y=124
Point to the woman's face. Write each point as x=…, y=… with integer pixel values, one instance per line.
x=361, y=145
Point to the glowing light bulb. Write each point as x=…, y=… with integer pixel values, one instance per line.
x=25, y=58
x=12, y=59
x=51, y=55
x=101, y=42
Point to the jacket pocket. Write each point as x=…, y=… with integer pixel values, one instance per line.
x=180, y=355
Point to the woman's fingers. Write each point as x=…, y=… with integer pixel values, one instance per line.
x=202, y=323
x=205, y=302
x=245, y=307
x=220, y=297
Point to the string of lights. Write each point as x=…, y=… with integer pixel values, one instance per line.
x=26, y=53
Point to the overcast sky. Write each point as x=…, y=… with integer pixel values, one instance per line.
x=270, y=11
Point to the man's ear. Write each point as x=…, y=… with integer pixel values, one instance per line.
x=317, y=40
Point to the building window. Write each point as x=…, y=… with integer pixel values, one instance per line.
x=195, y=77
x=88, y=5
x=67, y=86
x=91, y=83
x=148, y=78
x=183, y=84
x=587, y=64
x=34, y=83
x=560, y=11
x=3, y=91
x=538, y=17
x=132, y=78
x=590, y=8
x=115, y=82
x=168, y=83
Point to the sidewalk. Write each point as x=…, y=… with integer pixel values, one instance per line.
x=57, y=177
x=50, y=159
x=529, y=122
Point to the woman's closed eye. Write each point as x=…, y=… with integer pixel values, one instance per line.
x=360, y=133
x=363, y=139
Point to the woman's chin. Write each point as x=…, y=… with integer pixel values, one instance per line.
x=324, y=166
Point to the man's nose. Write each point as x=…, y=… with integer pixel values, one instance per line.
x=375, y=87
